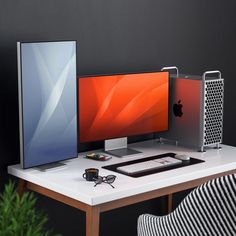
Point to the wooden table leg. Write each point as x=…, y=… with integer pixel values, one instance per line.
x=92, y=221
x=21, y=186
x=169, y=203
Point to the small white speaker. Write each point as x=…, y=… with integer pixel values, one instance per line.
x=196, y=109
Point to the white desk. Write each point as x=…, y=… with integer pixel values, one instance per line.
x=67, y=185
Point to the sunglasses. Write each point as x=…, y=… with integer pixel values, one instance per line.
x=104, y=179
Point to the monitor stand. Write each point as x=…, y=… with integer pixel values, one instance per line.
x=118, y=147
x=51, y=167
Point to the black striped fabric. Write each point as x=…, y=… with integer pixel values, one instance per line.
x=209, y=209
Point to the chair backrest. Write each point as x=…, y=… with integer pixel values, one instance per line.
x=210, y=209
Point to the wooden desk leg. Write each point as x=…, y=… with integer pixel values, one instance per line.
x=21, y=186
x=169, y=203
x=92, y=221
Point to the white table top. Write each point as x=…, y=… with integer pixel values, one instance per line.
x=69, y=181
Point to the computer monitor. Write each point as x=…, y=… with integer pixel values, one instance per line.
x=47, y=101
x=116, y=106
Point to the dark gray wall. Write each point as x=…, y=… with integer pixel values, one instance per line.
x=119, y=36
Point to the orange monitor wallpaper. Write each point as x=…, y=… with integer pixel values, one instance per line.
x=115, y=106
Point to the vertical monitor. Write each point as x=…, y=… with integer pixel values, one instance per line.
x=47, y=101
x=115, y=106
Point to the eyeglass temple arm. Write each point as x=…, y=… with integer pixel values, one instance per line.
x=111, y=185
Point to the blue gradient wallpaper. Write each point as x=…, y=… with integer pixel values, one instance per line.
x=48, y=102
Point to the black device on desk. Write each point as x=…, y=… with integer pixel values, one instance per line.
x=124, y=166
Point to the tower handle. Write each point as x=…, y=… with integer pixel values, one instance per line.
x=211, y=72
x=171, y=68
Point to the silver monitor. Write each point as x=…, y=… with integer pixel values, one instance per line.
x=47, y=101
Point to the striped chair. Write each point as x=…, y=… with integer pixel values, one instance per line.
x=210, y=209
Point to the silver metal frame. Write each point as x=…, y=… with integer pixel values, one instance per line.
x=204, y=107
x=116, y=143
x=171, y=68
x=20, y=104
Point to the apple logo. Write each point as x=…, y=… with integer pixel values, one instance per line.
x=177, y=109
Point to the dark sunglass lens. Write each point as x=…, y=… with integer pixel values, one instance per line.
x=110, y=179
x=98, y=180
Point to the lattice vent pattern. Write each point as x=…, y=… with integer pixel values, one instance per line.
x=213, y=122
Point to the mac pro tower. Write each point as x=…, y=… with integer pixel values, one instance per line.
x=196, y=110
